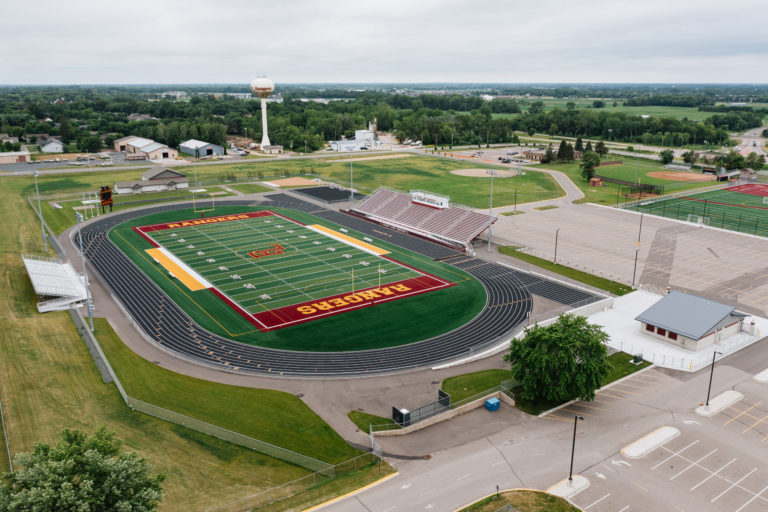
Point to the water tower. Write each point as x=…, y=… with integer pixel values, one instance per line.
x=263, y=87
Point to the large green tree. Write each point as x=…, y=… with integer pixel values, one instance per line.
x=666, y=156
x=81, y=473
x=565, y=152
x=600, y=148
x=589, y=160
x=754, y=161
x=562, y=361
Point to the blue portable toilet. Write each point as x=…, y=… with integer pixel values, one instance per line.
x=492, y=404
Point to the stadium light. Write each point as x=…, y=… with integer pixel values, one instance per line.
x=79, y=217
x=576, y=419
x=492, y=172
x=711, y=373
x=351, y=184
x=40, y=212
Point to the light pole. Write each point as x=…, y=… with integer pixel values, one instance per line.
x=557, y=235
x=79, y=217
x=40, y=212
x=711, y=372
x=634, y=272
x=576, y=419
x=351, y=187
x=492, y=172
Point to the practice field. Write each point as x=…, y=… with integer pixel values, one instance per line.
x=742, y=208
x=285, y=279
x=278, y=272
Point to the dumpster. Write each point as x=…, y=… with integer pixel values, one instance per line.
x=492, y=404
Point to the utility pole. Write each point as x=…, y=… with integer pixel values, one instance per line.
x=711, y=373
x=576, y=419
x=351, y=184
x=492, y=172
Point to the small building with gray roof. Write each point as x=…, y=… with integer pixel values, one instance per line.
x=689, y=321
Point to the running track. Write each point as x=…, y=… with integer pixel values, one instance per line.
x=168, y=326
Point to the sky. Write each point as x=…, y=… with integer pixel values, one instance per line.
x=392, y=41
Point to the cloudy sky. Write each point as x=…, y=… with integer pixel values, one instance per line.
x=513, y=41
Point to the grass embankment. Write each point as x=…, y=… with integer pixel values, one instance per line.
x=577, y=275
x=524, y=501
x=631, y=167
x=468, y=384
x=419, y=317
x=363, y=420
x=276, y=417
x=48, y=381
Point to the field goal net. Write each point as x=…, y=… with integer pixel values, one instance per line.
x=765, y=199
x=698, y=219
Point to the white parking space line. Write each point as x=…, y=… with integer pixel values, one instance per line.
x=713, y=474
x=463, y=477
x=753, y=498
x=596, y=502
x=692, y=464
x=674, y=454
x=625, y=508
x=733, y=485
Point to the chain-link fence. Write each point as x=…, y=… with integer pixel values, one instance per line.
x=297, y=486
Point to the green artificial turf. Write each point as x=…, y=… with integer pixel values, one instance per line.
x=418, y=317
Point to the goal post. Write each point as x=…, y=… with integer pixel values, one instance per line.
x=698, y=219
x=201, y=205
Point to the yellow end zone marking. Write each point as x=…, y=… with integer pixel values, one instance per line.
x=352, y=241
x=181, y=274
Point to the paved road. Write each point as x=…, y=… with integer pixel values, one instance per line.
x=534, y=452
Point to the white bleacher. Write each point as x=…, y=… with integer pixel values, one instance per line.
x=57, y=283
x=454, y=225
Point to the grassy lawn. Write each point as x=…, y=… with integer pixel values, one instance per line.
x=577, y=275
x=260, y=413
x=419, y=317
x=250, y=188
x=424, y=173
x=363, y=420
x=524, y=501
x=469, y=384
x=48, y=382
x=508, y=214
x=607, y=194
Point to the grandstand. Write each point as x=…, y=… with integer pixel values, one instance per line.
x=58, y=284
x=426, y=215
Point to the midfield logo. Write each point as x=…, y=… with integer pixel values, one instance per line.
x=271, y=251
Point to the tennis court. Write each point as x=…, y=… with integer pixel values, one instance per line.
x=742, y=208
x=276, y=271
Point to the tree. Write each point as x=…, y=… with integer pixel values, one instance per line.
x=734, y=160
x=588, y=147
x=562, y=361
x=579, y=144
x=565, y=152
x=755, y=161
x=666, y=156
x=690, y=157
x=537, y=107
x=81, y=473
x=549, y=155
x=600, y=148
x=570, y=106
x=589, y=160
x=598, y=104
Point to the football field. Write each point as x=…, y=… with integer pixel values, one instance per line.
x=276, y=271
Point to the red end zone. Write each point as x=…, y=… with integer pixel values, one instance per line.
x=333, y=305
x=753, y=189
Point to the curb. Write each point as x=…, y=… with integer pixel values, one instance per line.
x=351, y=493
x=499, y=492
x=607, y=386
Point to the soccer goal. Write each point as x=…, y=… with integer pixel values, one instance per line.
x=765, y=199
x=698, y=219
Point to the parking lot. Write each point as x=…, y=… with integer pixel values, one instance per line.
x=633, y=388
x=692, y=472
x=749, y=418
